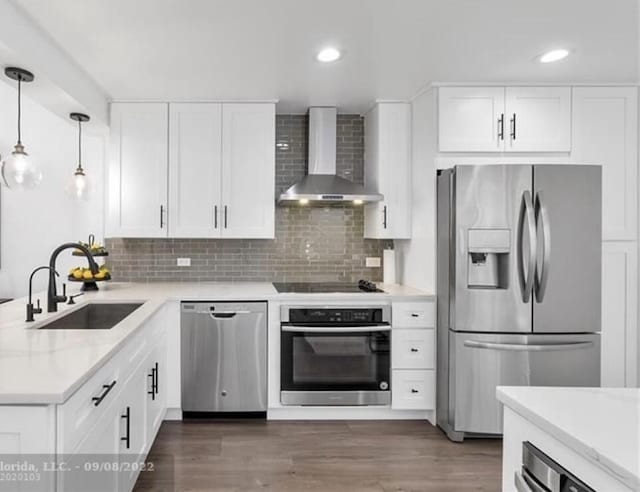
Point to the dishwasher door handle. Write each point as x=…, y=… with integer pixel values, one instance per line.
x=225, y=314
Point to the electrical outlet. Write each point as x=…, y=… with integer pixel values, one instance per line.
x=372, y=262
x=184, y=262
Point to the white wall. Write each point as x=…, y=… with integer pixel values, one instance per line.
x=417, y=256
x=33, y=223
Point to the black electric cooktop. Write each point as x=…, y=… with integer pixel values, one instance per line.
x=363, y=286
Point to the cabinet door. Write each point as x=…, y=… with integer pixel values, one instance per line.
x=248, y=170
x=195, y=163
x=619, y=314
x=605, y=132
x=538, y=119
x=388, y=171
x=99, y=448
x=156, y=390
x=137, y=170
x=132, y=428
x=471, y=119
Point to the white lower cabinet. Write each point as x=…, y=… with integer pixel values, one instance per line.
x=413, y=349
x=413, y=389
x=93, y=463
x=156, y=390
x=106, y=428
x=413, y=354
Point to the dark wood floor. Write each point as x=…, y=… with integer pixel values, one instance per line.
x=318, y=456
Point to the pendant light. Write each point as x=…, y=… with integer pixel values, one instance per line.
x=79, y=187
x=19, y=170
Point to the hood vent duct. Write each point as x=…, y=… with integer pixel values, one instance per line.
x=322, y=184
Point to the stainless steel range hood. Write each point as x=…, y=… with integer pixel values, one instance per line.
x=322, y=184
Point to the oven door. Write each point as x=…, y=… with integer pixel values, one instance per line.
x=335, y=365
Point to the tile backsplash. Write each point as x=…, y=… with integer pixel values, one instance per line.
x=311, y=243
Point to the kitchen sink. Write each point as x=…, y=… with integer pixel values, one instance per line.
x=93, y=316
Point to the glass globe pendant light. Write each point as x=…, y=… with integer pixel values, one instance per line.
x=80, y=186
x=18, y=169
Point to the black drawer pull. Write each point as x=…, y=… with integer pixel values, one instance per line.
x=415, y=315
x=155, y=381
x=152, y=391
x=107, y=387
x=414, y=390
x=127, y=437
x=413, y=349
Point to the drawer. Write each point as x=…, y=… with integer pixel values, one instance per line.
x=413, y=349
x=413, y=315
x=79, y=414
x=413, y=389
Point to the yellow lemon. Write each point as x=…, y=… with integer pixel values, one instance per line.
x=87, y=275
x=77, y=274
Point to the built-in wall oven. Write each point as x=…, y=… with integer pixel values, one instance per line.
x=335, y=355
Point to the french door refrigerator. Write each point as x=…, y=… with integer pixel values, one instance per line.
x=519, y=279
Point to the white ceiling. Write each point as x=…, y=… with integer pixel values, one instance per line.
x=264, y=49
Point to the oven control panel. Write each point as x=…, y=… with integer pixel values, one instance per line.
x=336, y=316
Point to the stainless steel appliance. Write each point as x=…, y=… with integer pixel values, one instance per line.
x=542, y=474
x=519, y=258
x=224, y=356
x=335, y=355
x=323, y=184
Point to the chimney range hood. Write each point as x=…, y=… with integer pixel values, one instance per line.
x=322, y=184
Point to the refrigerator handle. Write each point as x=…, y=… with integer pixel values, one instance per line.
x=521, y=347
x=526, y=277
x=542, y=224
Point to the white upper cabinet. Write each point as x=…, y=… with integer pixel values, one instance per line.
x=471, y=119
x=387, y=170
x=193, y=170
x=499, y=119
x=248, y=170
x=605, y=131
x=538, y=119
x=195, y=164
x=137, y=170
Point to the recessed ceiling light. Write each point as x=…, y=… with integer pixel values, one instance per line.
x=328, y=55
x=554, y=55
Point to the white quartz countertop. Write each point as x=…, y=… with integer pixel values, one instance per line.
x=48, y=366
x=601, y=424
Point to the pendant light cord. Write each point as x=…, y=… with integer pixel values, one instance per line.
x=80, y=145
x=19, y=109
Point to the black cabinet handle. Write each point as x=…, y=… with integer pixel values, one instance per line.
x=513, y=127
x=106, y=388
x=414, y=390
x=415, y=315
x=154, y=381
x=156, y=372
x=127, y=437
x=215, y=216
x=501, y=127
x=384, y=216
x=413, y=349
x=152, y=391
x=161, y=216
x=225, y=216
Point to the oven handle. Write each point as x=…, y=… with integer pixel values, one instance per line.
x=333, y=329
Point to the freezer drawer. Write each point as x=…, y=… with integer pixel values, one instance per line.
x=224, y=357
x=480, y=362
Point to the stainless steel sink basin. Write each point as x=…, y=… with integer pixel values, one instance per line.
x=93, y=316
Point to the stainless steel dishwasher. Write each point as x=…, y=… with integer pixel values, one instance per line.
x=224, y=356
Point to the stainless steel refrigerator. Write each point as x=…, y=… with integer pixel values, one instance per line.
x=519, y=286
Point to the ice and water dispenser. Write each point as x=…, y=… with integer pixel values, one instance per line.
x=488, y=252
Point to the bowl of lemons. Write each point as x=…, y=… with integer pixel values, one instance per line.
x=85, y=275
